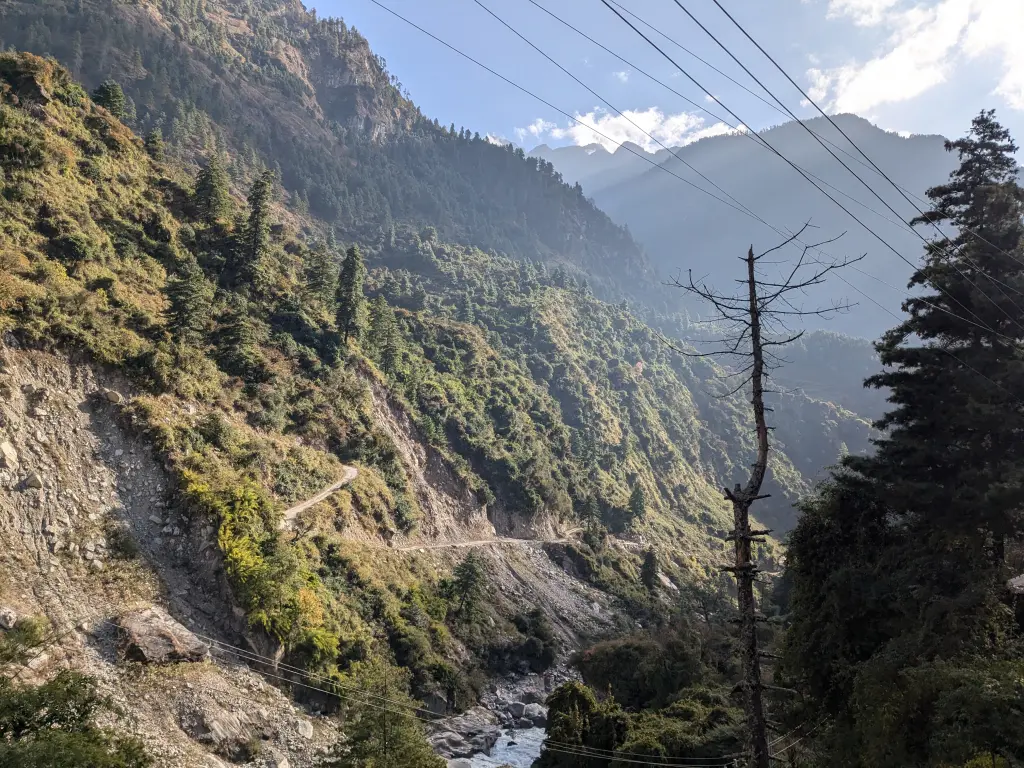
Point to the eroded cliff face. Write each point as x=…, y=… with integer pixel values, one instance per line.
x=89, y=534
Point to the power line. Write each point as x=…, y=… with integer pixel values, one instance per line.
x=868, y=165
x=742, y=208
x=620, y=757
x=835, y=125
x=663, y=168
x=598, y=752
x=547, y=103
x=853, y=173
x=758, y=140
x=878, y=237
x=738, y=205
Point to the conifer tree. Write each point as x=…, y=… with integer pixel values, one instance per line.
x=239, y=340
x=391, y=354
x=381, y=737
x=351, y=300
x=649, y=569
x=322, y=272
x=896, y=566
x=212, y=196
x=253, y=253
x=951, y=456
x=190, y=295
x=155, y=145
x=637, y=503
x=384, y=339
x=466, y=313
x=468, y=582
x=110, y=96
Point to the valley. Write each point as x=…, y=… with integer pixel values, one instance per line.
x=332, y=436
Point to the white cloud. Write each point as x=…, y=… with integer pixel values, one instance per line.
x=924, y=48
x=622, y=77
x=865, y=13
x=501, y=141
x=637, y=126
x=997, y=30
x=536, y=129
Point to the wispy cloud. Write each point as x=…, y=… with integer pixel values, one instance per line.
x=622, y=76
x=926, y=43
x=536, y=129
x=864, y=13
x=637, y=126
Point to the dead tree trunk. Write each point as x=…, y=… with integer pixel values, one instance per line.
x=750, y=317
x=744, y=568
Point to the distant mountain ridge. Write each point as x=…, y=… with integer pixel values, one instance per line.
x=681, y=228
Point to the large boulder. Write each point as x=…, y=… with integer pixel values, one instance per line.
x=470, y=733
x=536, y=714
x=229, y=734
x=8, y=456
x=153, y=637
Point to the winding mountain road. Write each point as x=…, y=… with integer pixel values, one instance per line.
x=484, y=542
x=351, y=473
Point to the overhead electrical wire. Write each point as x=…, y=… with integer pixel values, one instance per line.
x=741, y=207
x=547, y=103
x=854, y=144
x=978, y=321
x=663, y=168
x=869, y=166
x=739, y=128
x=758, y=140
x=853, y=173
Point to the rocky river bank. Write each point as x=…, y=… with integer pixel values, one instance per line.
x=513, y=709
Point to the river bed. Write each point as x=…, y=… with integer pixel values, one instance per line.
x=521, y=755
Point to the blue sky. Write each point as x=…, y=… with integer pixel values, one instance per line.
x=921, y=66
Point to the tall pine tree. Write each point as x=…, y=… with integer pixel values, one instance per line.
x=951, y=455
x=898, y=600
x=212, y=195
x=322, y=271
x=351, y=301
x=110, y=96
x=190, y=295
x=252, y=258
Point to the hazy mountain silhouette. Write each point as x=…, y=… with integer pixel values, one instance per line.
x=682, y=229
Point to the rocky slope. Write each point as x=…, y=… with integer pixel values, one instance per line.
x=89, y=534
x=104, y=536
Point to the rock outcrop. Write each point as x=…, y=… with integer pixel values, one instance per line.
x=472, y=732
x=151, y=636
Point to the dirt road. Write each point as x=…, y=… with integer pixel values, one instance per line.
x=484, y=542
x=290, y=514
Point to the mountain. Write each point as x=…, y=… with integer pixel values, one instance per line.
x=485, y=393
x=270, y=82
x=683, y=229
x=182, y=375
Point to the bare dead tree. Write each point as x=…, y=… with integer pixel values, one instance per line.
x=756, y=322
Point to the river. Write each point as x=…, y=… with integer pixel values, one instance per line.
x=521, y=755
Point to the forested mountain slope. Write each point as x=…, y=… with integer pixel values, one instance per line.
x=271, y=83
x=549, y=404
x=682, y=228
x=458, y=351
